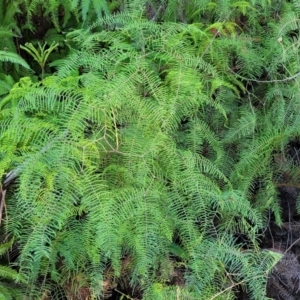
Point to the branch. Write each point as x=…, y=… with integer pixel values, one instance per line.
x=269, y=81
x=155, y=17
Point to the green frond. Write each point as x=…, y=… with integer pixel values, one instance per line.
x=86, y=6
x=9, y=290
x=5, y=246
x=5, y=32
x=6, y=83
x=244, y=126
x=13, y=58
x=8, y=273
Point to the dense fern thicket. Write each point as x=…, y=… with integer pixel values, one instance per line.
x=144, y=145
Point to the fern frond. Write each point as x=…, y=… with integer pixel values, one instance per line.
x=13, y=58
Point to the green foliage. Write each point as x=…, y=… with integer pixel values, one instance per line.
x=7, y=81
x=9, y=291
x=85, y=7
x=13, y=58
x=8, y=25
x=152, y=148
x=40, y=55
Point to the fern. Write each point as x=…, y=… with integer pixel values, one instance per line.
x=7, y=290
x=99, y=157
x=13, y=58
x=87, y=6
x=8, y=25
x=153, y=143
